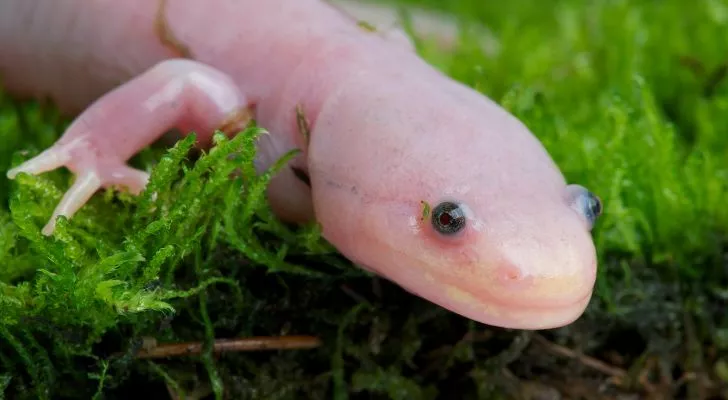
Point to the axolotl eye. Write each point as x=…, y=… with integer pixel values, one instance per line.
x=585, y=203
x=448, y=218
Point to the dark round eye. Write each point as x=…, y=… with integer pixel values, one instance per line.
x=593, y=206
x=448, y=218
x=586, y=203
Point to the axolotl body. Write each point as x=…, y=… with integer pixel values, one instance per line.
x=410, y=174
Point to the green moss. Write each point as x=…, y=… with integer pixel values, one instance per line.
x=628, y=97
x=118, y=262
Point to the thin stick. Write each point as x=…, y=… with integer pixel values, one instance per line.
x=227, y=345
x=584, y=359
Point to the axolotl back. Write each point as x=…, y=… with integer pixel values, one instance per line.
x=411, y=174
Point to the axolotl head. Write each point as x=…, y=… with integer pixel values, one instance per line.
x=453, y=198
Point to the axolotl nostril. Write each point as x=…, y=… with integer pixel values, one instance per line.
x=418, y=177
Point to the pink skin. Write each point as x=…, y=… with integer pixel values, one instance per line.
x=387, y=133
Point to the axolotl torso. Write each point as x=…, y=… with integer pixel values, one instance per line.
x=410, y=173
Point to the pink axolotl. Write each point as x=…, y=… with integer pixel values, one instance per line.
x=411, y=175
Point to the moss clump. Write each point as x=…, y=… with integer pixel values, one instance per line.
x=124, y=263
x=629, y=98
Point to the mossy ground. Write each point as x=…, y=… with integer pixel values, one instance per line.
x=628, y=97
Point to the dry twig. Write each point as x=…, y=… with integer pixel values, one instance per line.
x=614, y=372
x=230, y=345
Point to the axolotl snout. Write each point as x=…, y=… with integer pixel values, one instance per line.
x=411, y=174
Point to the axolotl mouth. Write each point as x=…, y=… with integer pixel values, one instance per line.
x=507, y=273
x=507, y=301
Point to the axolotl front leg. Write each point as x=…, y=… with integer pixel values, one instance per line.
x=175, y=93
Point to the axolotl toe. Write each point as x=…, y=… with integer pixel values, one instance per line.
x=410, y=173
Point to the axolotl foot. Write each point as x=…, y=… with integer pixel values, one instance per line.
x=175, y=93
x=93, y=173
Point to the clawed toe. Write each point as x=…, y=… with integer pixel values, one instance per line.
x=75, y=197
x=126, y=178
x=50, y=159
